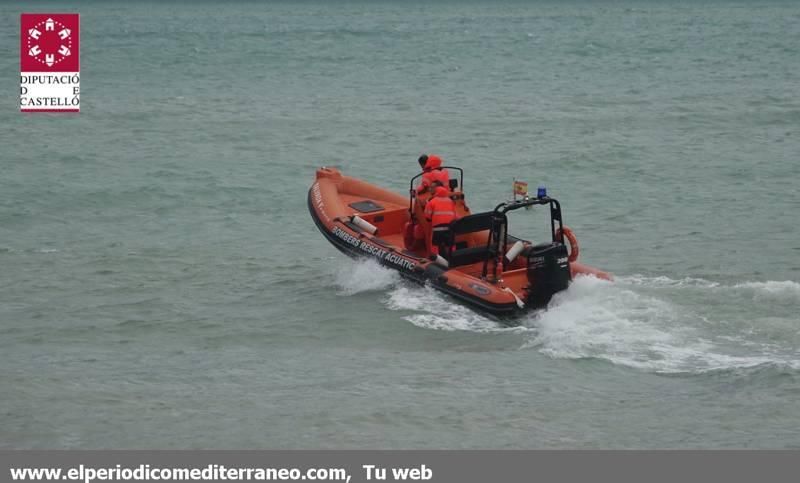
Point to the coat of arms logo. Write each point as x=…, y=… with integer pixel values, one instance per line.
x=49, y=60
x=49, y=42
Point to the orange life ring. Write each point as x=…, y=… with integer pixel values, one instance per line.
x=574, y=249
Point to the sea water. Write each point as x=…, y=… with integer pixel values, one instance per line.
x=162, y=284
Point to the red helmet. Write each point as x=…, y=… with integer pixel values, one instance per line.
x=442, y=191
x=434, y=162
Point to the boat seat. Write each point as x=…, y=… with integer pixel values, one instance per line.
x=467, y=256
x=460, y=255
x=472, y=223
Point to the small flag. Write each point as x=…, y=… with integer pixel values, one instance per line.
x=520, y=188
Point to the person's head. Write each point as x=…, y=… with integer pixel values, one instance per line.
x=422, y=161
x=434, y=162
x=441, y=191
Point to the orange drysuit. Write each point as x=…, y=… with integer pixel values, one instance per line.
x=440, y=212
x=433, y=173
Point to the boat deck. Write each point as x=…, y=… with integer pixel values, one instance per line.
x=391, y=217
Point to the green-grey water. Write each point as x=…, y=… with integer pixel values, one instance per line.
x=162, y=285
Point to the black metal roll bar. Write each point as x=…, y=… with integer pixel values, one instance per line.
x=499, y=232
x=555, y=211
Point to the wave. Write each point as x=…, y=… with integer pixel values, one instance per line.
x=435, y=311
x=603, y=320
x=658, y=282
x=618, y=322
x=364, y=275
x=786, y=290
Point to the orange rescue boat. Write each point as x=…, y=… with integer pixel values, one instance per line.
x=481, y=265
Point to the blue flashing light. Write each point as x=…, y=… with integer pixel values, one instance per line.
x=541, y=192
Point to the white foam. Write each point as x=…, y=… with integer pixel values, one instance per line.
x=659, y=282
x=770, y=290
x=598, y=319
x=620, y=322
x=363, y=275
x=434, y=310
x=785, y=290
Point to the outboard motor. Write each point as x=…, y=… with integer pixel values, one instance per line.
x=548, y=272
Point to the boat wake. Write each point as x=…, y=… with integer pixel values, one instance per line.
x=662, y=332
x=432, y=310
x=779, y=291
x=655, y=324
x=364, y=275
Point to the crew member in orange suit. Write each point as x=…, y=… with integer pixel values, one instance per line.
x=423, y=160
x=434, y=174
x=428, y=177
x=440, y=212
x=440, y=174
